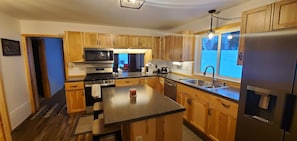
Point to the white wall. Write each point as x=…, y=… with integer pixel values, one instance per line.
x=13, y=72
x=204, y=23
x=49, y=27
x=55, y=63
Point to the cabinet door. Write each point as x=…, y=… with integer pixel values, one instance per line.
x=145, y=42
x=221, y=127
x=2, y=138
x=169, y=45
x=156, y=49
x=285, y=15
x=133, y=41
x=120, y=41
x=104, y=40
x=253, y=21
x=177, y=48
x=160, y=85
x=74, y=48
x=151, y=81
x=187, y=102
x=75, y=100
x=90, y=40
x=199, y=111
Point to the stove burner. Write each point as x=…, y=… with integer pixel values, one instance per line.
x=99, y=76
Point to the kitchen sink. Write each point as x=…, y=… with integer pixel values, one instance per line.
x=202, y=83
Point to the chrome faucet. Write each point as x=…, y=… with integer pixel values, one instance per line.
x=213, y=72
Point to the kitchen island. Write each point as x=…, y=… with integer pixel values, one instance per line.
x=151, y=116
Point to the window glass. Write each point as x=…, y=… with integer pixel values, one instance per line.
x=228, y=55
x=209, y=53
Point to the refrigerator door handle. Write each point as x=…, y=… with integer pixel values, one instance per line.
x=288, y=112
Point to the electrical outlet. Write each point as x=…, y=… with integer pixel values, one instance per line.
x=139, y=138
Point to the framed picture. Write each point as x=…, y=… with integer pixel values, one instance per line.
x=10, y=47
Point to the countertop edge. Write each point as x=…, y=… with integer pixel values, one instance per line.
x=145, y=117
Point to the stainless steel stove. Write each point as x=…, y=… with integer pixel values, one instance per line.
x=97, y=75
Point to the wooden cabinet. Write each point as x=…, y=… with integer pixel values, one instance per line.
x=285, y=15
x=144, y=42
x=196, y=103
x=167, y=47
x=156, y=48
x=178, y=47
x=120, y=41
x=96, y=40
x=277, y=16
x=160, y=85
x=2, y=137
x=183, y=49
x=129, y=82
x=73, y=51
x=151, y=81
x=253, y=21
x=75, y=97
x=222, y=117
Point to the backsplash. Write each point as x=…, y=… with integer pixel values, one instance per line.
x=182, y=67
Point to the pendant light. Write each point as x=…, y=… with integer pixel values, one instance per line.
x=211, y=32
x=134, y=4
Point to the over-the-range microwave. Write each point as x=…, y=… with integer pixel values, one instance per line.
x=98, y=55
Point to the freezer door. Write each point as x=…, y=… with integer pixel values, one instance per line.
x=290, y=119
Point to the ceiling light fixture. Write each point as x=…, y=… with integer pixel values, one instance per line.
x=134, y=4
x=211, y=32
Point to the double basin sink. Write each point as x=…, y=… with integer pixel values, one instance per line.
x=204, y=84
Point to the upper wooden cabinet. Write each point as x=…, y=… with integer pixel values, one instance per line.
x=156, y=48
x=140, y=41
x=179, y=47
x=276, y=16
x=73, y=51
x=253, y=21
x=96, y=40
x=285, y=15
x=120, y=41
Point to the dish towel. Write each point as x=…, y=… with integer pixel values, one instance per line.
x=96, y=90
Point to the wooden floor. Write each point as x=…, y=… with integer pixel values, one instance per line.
x=56, y=128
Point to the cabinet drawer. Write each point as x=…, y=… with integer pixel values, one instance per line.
x=128, y=82
x=224, y=106
x=74, y=85
x=197, y=94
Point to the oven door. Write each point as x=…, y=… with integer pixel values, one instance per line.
x=98, y=55
x=88, y=93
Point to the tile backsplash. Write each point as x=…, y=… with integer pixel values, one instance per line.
x=185, y=68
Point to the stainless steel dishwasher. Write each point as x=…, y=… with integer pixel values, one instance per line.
x=170, y=89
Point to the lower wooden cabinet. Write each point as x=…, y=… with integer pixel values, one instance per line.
x=2, y=138
x=160, y=85
x=221, y=127
x=75, y=97
x=196, y=103
x=212, y=115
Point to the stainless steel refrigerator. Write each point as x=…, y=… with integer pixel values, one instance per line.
x=268, y=105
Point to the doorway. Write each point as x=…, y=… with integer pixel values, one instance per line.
x=46, y=68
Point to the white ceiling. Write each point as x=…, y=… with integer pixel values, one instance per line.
x=154, y=14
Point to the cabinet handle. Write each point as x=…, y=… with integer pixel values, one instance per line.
x=189, y=101
x=127, y=81
x=225, y=105
x=209, y=112
x=73, y=86
x=240, y=56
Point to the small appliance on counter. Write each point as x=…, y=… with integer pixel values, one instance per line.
x=164, y=70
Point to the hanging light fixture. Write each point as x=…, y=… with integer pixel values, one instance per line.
x=211, y=32
x=134, y=4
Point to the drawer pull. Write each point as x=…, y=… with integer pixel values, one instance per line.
x=127, y=81
x=73, y=86
x=225, y=105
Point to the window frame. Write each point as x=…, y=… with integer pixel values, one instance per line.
x=198, y=51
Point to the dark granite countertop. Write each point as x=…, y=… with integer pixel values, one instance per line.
x=230, y=93
x=119, y=109
x=132, y=75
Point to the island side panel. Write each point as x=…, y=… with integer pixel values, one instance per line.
x=164, y=128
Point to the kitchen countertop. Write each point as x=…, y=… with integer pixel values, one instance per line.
x=119, y=109
x=230, y=93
